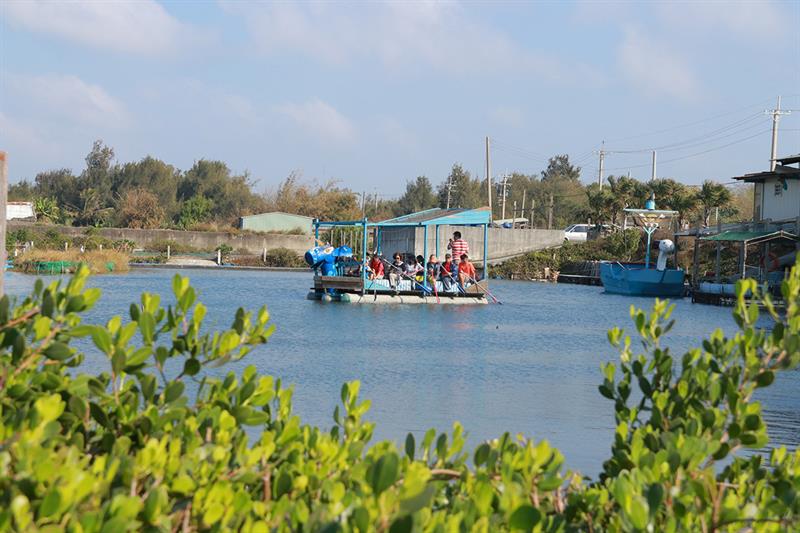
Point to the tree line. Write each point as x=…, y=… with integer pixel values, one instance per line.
x=150, y=193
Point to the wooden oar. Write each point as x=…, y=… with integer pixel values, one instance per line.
x=475, y=282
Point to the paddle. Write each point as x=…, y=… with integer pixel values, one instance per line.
x=474, y=281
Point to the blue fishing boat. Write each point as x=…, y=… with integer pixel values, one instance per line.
x=636, y=279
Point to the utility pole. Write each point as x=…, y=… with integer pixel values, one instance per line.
x=363, y=204
x=653, y=175
x=3, y=199
x=514, y=216
x=524, y=194
x=550, y=213
x=449, y=187
x=505, y=185
x=489, y=178
x=602, y=161
x=776, y=116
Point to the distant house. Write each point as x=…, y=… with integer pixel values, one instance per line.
x=777, y=192
x=277, y=222
x=20, y=211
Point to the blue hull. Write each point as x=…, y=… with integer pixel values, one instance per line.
x=635, y=280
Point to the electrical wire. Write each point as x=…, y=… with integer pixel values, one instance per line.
x=694, y=154
x=693, y=123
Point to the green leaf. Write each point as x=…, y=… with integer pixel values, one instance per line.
x=404, y=524
x=191, y=367
x=410, y=446
x=525, y=518
x=49, y=407
x=147, y=325
x=765, y=378
x=173, y=391
x=57, y=351
x=118, y=361
x=50, y=503
x=481, y=454
x=418, y=501
x=383, y=473
x=102, y=339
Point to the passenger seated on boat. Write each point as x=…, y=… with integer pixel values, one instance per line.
x=466, y=271
x=434, y=269
x=448, y=273
x=397, y=270
x=376, y=270
x=418, y=268
x=353, y=267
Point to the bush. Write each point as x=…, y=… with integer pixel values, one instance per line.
x=134, y=448
x=284, y=257
x=622, y=246
x=98, y=261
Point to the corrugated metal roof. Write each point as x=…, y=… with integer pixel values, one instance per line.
x=749, y=236
x=438, y=216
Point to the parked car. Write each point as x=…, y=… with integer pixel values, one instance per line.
x=576, y=232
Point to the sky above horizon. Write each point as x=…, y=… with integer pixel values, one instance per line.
x=375, y=94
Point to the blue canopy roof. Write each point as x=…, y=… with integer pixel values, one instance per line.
x=429, y=217
x=437, y=216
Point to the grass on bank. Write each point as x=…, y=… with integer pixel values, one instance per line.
x=98, y=261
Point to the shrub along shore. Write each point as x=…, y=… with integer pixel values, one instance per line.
x=134, y=448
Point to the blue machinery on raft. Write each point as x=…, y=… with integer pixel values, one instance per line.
x=323, y=258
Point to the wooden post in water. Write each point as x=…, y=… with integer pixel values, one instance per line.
x=3, y=199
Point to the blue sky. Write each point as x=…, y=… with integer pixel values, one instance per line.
x=374, y=94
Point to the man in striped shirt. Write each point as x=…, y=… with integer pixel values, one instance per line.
x=457, y=245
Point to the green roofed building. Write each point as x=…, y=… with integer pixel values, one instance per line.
x=277, y=222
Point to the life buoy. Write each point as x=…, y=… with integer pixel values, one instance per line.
x=775, y=262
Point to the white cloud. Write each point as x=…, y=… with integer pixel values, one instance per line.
x=653, y=67
x=141, y=26
x=320, y=120
x=407, y=35
x=757, y=20
x=65, y=97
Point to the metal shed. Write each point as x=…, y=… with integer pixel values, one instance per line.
x=276, y=222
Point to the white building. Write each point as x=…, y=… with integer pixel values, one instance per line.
x=20, y=210
x=777, y=192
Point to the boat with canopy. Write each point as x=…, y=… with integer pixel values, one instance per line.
x=340, y=261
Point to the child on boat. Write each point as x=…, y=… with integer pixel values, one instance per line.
x=376, y=270
x=466, y=271
x=448, y=273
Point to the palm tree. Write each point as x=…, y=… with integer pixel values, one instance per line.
x=711, y=196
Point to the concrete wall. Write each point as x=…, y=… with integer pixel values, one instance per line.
x=503, y=243
x=202, y=240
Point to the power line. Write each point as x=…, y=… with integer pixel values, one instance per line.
x=696, y=153
x=686, y=125
x=699, y=140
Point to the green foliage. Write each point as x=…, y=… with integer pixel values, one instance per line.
x=465, y=192
x=418, y=196
x=620, y=246
x=159, y=442
x=284, y=257
x=194, y=210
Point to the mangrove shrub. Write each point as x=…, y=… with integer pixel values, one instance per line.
x=162, y=440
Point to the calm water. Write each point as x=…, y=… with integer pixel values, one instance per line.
x=529, y=366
